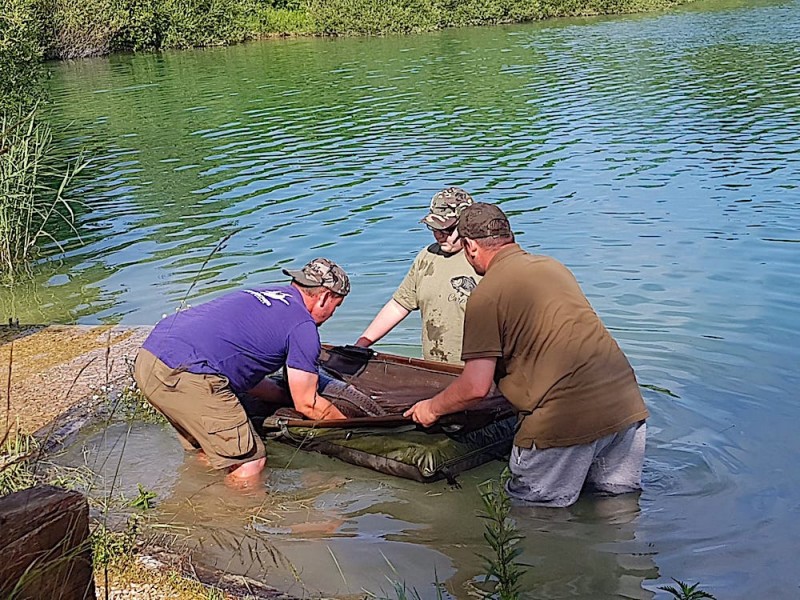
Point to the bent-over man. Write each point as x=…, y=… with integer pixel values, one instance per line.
x=529, y=326
x=438, y=283
x=194, y=363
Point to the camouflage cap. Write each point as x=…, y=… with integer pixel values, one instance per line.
x=482, y=220
x=324, y=272
x=446, y=207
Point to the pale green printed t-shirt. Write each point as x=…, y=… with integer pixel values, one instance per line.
x=439, y=285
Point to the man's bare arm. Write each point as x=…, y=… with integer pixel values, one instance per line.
x=303, y=387
x=386, y=320
x=468, y=389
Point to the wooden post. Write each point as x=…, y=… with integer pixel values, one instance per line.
x=44, y=545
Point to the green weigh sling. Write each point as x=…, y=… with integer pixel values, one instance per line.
x=373, y=390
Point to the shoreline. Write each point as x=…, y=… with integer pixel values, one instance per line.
x=50, y=370
x=74, y=34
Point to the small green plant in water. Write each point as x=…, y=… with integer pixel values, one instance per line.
x=144, y=501
x=503, y=537
x=114, y=548
x=684, y=591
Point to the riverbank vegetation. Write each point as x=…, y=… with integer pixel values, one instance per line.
x=34, y=207
x=80, y=28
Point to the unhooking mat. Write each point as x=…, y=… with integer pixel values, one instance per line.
x=373, y=390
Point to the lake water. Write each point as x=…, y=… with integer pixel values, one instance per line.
x=658, y=156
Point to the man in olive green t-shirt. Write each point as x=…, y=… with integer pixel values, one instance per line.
x=438, y=284
x=529, y=326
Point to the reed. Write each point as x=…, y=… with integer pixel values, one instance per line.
x=33, y=204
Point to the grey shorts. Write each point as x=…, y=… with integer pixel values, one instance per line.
x=556, y=476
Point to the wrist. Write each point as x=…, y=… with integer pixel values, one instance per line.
x=364, y=342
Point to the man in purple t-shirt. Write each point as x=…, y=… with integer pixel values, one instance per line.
x=194, y=362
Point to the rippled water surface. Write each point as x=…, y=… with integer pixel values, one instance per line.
x=657, y=156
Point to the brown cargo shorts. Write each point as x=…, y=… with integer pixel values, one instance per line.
x=203, y=410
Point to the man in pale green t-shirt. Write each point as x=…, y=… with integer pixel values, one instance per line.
x=438, y=285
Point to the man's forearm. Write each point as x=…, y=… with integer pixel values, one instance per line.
x=319, y=409
x=459, y=395
x=386, y=320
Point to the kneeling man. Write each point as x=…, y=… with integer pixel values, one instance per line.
x=194, y=363
x=529, y=326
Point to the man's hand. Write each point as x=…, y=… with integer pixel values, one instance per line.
x=468, y=389
x=364, y=342
x=423, y=413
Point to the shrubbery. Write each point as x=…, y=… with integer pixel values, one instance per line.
x=76, y=28
x=402, y=16
x=20, y=54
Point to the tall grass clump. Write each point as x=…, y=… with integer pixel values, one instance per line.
x=33, y=204
x=80, y=28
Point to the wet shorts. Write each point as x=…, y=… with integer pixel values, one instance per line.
x=203, y=410
x=556, y=476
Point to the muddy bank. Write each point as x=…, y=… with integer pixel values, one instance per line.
x=46, y=371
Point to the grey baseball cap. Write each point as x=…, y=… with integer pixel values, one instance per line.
x=324, y=272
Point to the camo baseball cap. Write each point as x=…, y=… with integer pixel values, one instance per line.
x=446, y=207
x=324, y=272
x=482, y=220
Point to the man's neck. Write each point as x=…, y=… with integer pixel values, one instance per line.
x=491, y=253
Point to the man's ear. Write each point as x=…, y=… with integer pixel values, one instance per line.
x=323, y=298
x=470, y=246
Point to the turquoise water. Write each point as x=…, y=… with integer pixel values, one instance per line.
x=658, y=156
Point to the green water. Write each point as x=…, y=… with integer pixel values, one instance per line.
x=658, y=156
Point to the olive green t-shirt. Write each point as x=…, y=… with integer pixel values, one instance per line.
x=556, y=362
x=438, y=285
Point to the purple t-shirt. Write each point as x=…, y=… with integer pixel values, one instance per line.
x=244, y=335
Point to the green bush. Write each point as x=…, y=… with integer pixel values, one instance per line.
x=158, y=24
x=206, y=22
x=269, y=20
x=77, y=29
x=20, y=54
x=330, y=17
x=143, y=25
x=404, y=16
